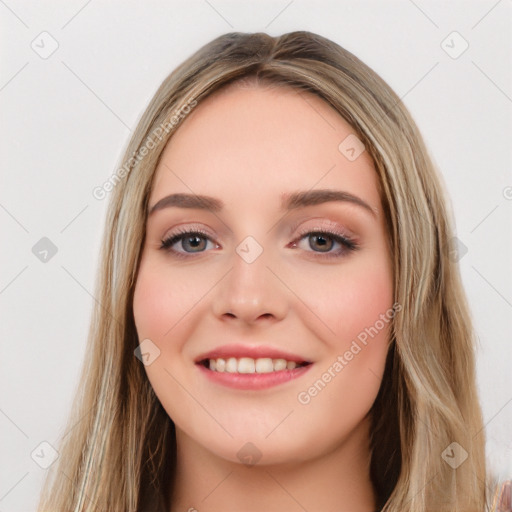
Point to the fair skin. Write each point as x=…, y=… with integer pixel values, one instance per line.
x=246, y=146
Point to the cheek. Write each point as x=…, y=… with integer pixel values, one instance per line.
x=150, y=306
x=160, y=304
x=161, y=299
x=166, y=306
x=349, y=300
x=355, y=303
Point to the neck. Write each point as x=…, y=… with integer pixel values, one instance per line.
x=335, y=481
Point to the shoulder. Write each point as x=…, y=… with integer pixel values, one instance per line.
x=502, y=498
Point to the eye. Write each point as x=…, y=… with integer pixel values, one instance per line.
x=192, y=242
x=320, y=241
x=323, y=241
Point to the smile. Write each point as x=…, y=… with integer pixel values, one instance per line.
x=246, y=373
x=250, y=365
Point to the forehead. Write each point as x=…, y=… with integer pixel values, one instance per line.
x=258, y=142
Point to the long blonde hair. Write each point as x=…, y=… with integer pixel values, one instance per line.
x=119, y=452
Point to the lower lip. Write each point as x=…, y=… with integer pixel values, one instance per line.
x=253, y=381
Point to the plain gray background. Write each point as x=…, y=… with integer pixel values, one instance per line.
x=66, y=118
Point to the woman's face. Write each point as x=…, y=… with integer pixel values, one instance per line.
x=259, y=289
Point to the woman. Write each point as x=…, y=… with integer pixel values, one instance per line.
x=280, y=319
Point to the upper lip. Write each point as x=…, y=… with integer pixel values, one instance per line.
x=254, y=352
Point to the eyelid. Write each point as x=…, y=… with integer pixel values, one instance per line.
x=186, y=228
x=327, y=224
x=322, y=224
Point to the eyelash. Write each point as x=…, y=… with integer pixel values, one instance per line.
x=347, y=242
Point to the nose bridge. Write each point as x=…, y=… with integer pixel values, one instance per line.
x=250, y=290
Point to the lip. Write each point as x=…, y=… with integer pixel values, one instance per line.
x=251, y=381
x=254, y=381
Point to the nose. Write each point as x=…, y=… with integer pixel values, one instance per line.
x=251, y=292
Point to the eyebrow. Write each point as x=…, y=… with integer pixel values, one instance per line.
x=289, y=201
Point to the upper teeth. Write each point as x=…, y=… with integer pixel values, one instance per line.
x=249, y=365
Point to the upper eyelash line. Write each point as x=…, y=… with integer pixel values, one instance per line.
x=348, y=242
